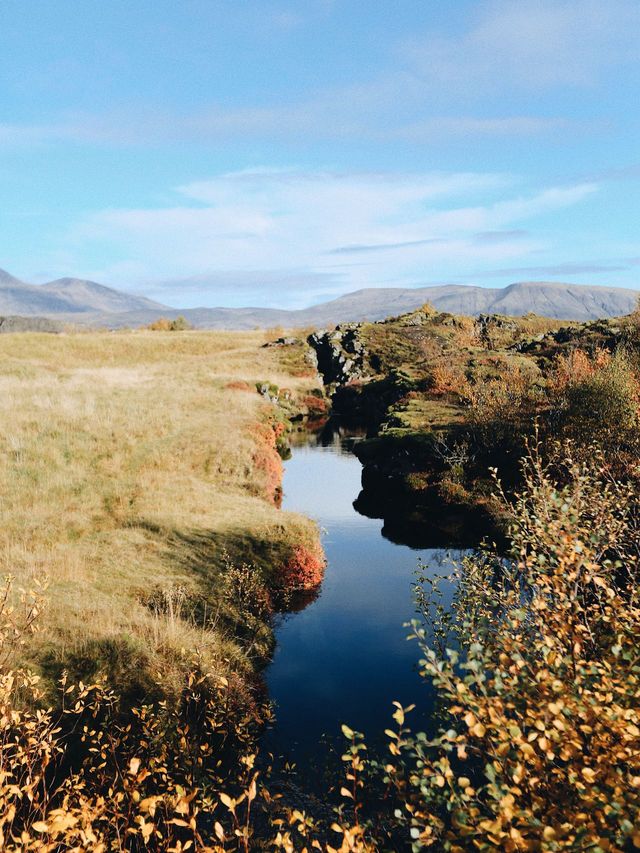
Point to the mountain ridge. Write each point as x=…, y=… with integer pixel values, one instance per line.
x=90, y=303
x=66, y=296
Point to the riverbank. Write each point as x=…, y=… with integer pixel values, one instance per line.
x=141, y=475
x=449, y=402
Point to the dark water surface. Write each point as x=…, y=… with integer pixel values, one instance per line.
x=345, y=657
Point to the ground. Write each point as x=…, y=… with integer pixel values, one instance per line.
x=139, y=473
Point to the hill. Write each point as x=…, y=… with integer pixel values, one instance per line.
x=66, y=296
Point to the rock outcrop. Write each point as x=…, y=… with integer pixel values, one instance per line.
x=340, y=353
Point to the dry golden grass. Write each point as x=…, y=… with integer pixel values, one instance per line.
x=127, y=470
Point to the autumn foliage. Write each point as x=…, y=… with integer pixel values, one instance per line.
x=316, y=406
x=448, y=378
x=304, y=569
x=267, y=461
x=539, y=676
x=577, y=366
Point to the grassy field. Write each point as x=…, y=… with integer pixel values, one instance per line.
x=132, y=464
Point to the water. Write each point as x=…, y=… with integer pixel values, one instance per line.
x=345, y=657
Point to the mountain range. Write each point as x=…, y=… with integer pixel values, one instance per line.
x=78, y=301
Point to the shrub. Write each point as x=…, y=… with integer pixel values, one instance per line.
x=600, y=400
x=267, y=460
x=316, y=406
x=82, y=778
x=502, y=410
x=575, y=367
x=163, y=324
x=448, y=378
x=304, y=569
x=538, y=674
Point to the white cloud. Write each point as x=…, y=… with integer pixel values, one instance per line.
x=291, y=226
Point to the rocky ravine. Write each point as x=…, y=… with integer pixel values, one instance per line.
x=409, y=380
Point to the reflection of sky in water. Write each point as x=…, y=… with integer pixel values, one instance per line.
x=345, y=657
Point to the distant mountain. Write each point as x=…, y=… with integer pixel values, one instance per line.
x=549, y=299
x=89, y=303
x=66, y=296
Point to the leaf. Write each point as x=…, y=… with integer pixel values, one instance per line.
x=398, y=715
x=226, y=800
x=347, y=732
x=345, y=792
x=589, y=774
x=478, y=730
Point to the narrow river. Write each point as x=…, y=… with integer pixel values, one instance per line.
x=345, y=657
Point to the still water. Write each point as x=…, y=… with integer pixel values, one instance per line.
x=345, y=657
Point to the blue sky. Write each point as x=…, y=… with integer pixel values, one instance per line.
x=230, y=152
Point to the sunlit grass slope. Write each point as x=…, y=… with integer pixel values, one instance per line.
x=131, y=464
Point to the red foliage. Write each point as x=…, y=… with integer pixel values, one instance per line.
x=315, y=405
x=304, y=569
x=239, y=385
x=267, y=460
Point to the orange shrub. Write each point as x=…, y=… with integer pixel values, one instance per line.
x=304, y=569
x=267, y=460
x=576, y=366
x=164, y=324
x=449, y=379
x=315, y=405
x=504, y=399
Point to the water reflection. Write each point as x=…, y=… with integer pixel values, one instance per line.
x=345, y=657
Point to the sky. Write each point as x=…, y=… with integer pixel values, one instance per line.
x=283, y=152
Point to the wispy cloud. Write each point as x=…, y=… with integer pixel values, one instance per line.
x=383, y=247
x=291, y=225
x=434, y=128
x=482, y=237
x=500, y=236
x=531, y=44
x=561, y=269
x=336, y=117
